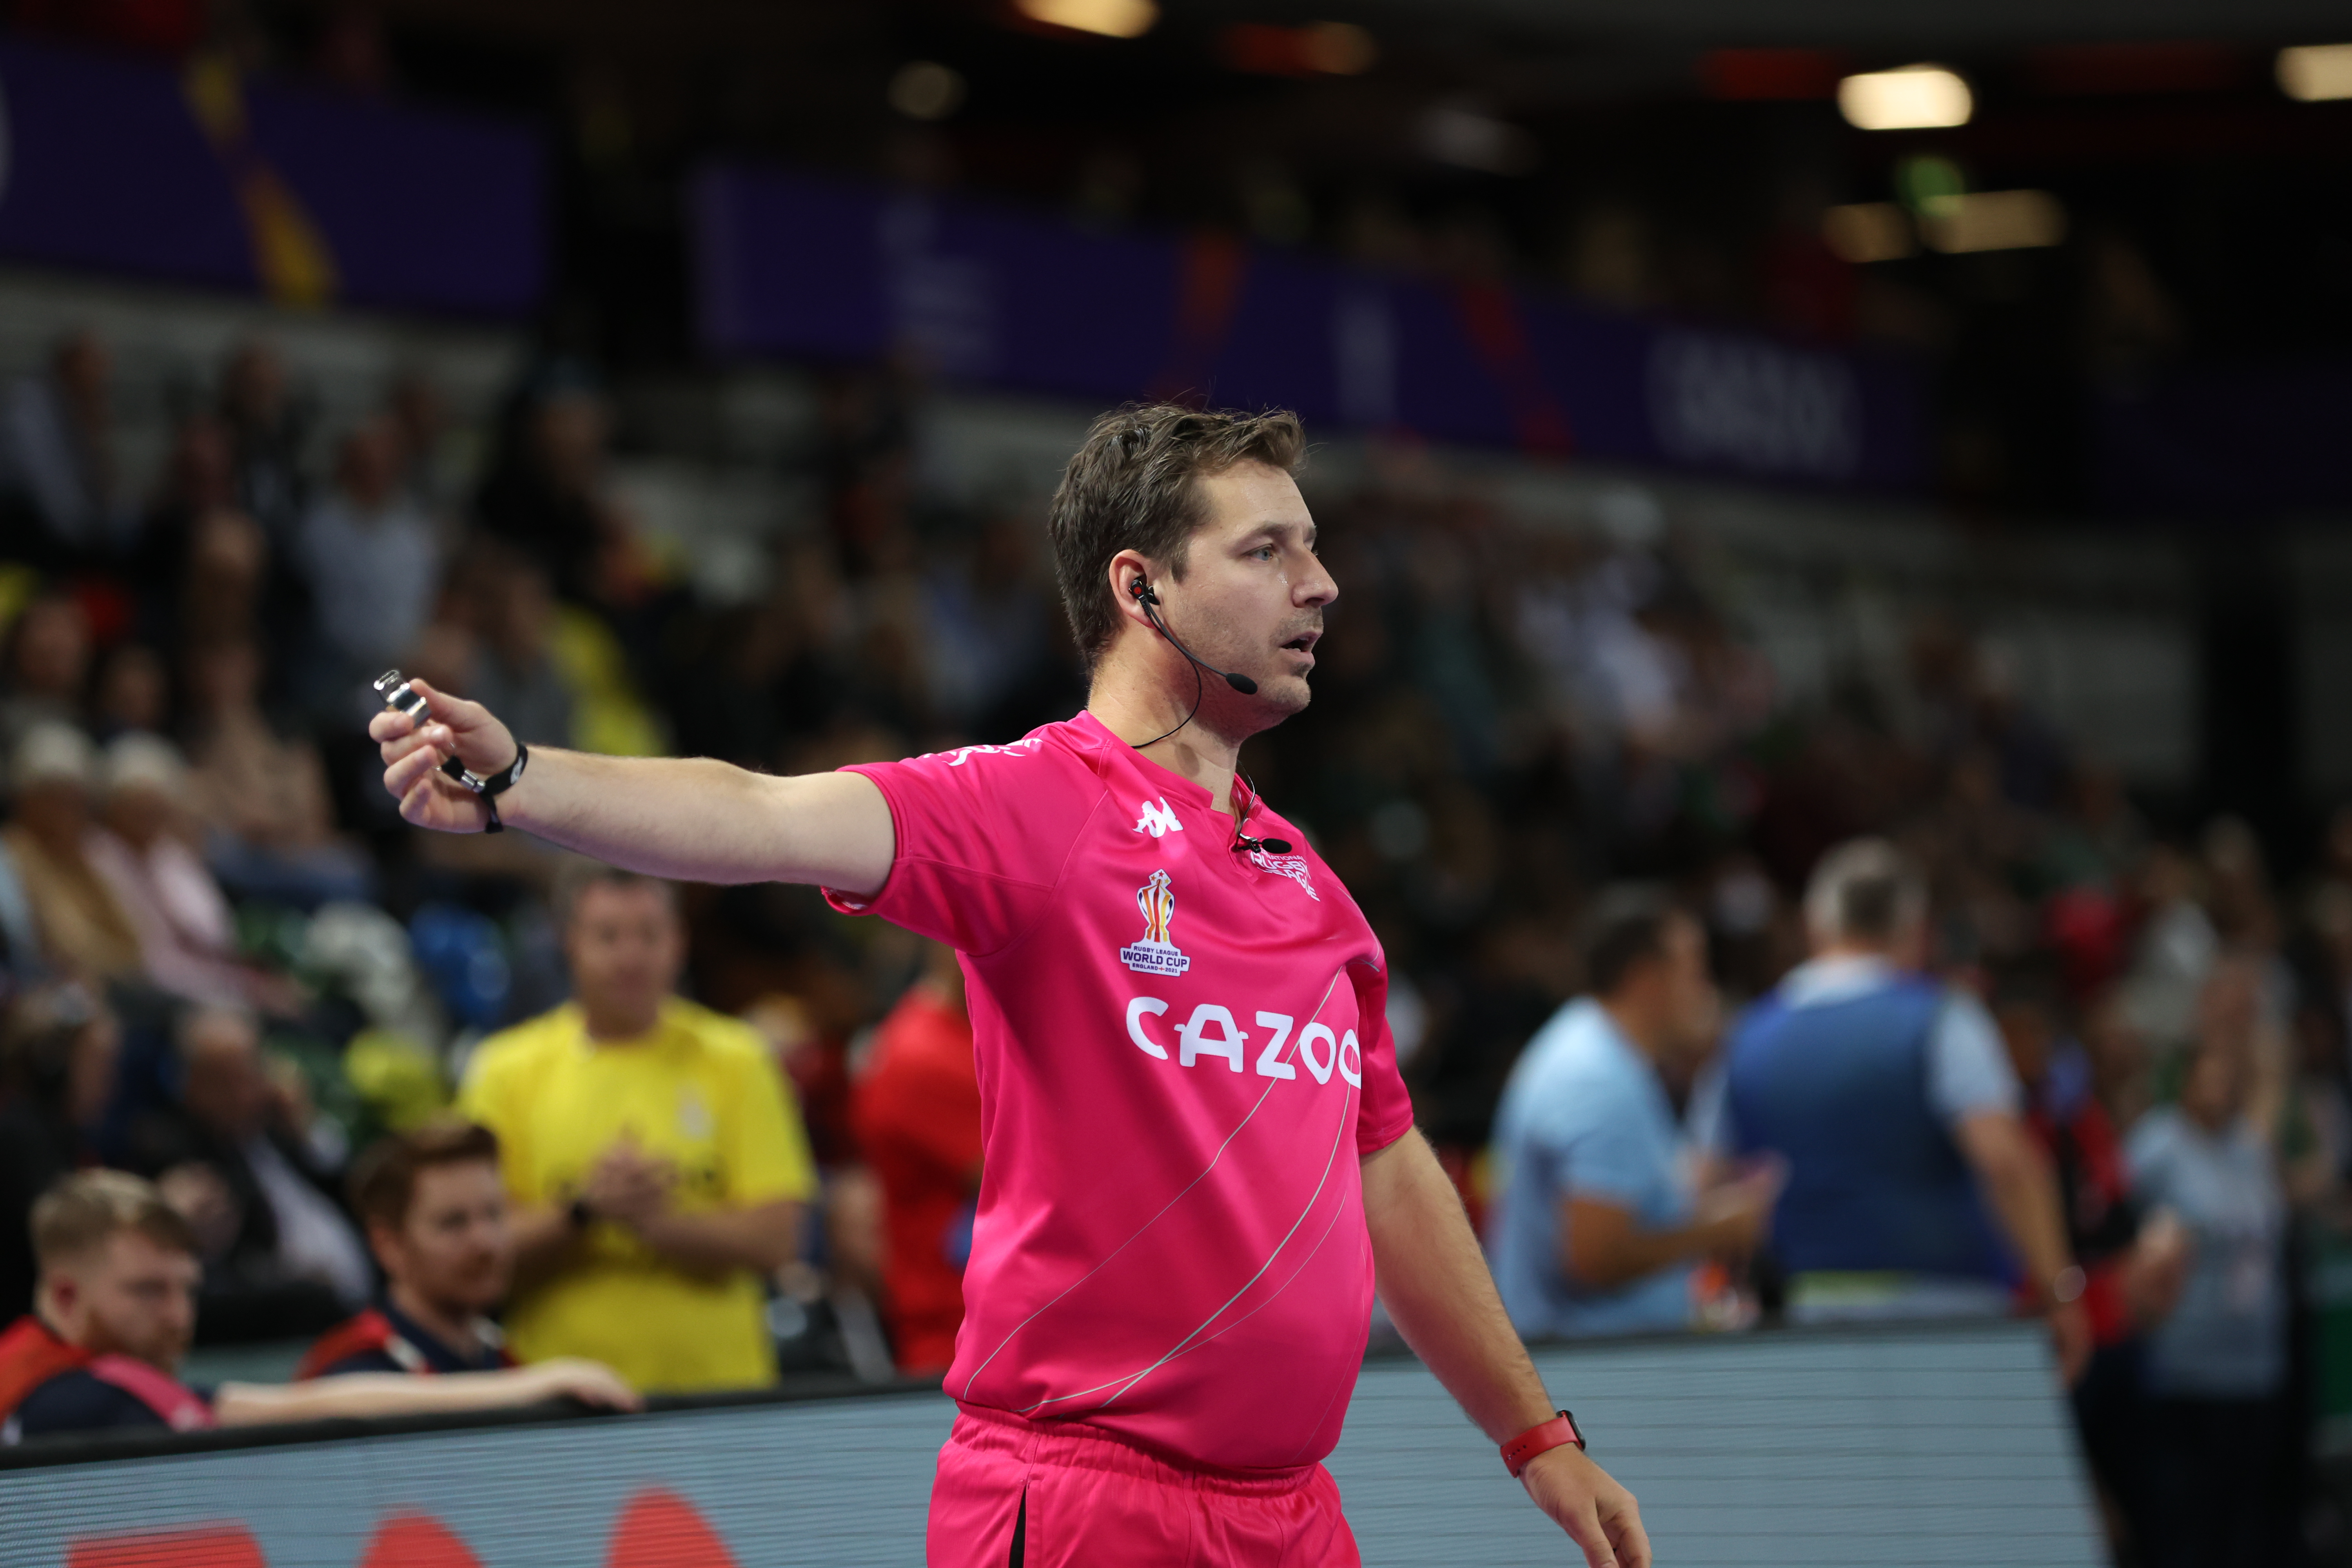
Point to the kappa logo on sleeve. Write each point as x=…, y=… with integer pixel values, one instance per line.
x=1157, y=819
x=1156, y=954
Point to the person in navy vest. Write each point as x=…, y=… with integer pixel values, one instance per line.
x=1913, y=1187
x=113, y=1313
x=436, y=1213
x=1599, y=1221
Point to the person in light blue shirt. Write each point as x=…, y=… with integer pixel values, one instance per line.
x=1597, y=1222
x=2221, y=1436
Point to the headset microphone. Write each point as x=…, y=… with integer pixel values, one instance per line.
x=1149, y=600
x=1143, y=594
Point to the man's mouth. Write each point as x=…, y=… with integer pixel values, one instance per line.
x=1304, y=642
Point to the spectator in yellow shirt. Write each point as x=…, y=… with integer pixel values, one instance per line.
x=655, y=1156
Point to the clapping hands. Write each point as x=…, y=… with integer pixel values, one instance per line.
x=630, y=1186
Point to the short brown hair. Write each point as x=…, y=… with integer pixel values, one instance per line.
x=83, y=1211
x=384, y=1179
x=1131, y=487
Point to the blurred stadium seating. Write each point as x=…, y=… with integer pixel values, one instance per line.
x=1678, y=538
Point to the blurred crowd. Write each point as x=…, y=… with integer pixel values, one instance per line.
x=229, y=967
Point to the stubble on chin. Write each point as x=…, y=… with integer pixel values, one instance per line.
x=1288, y=696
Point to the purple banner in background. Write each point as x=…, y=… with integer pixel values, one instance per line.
x=796, y=265
x=2233, y=444
x=193, y=174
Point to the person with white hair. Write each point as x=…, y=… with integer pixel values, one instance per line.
x=1913, y=1187
x=186, y=929
x=84, y=932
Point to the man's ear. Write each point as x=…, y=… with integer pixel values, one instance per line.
x=1125, y=570
x=383, y=1244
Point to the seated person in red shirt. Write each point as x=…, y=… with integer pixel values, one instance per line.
x=435, y=1213
x=918, y=1119
x=114, y=1312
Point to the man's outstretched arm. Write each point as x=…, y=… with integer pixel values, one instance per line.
x=1436, y=1284
x=690, y=819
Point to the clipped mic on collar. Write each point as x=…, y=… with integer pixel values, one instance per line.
x=1242, y=842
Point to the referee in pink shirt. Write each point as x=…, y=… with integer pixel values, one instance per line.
x=1198, y=1156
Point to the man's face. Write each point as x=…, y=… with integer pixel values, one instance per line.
x=1252, y=594
x=455, y=1249
x=127, y=1296
x=625, y=949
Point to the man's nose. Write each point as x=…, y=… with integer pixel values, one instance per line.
x=1317, y=587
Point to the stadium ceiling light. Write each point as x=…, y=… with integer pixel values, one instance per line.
x=1110, y=18
x=2315, y=72
x=1992, y=220
x=1915, y=97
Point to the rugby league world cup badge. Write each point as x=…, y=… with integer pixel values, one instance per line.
x=1155, y=955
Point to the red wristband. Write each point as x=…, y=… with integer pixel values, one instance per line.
x=1538, y=1438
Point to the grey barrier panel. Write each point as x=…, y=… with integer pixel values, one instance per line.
x=1915, y=1446
x=1895, y=1447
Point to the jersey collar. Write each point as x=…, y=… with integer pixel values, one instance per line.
x=1160, y=779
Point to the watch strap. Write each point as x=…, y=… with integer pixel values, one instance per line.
x=495, y=784
x=490, y=786
x=1541, y=1437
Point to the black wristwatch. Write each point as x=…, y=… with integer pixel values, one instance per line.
x=493, y=785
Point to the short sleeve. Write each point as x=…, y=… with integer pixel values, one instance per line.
x=1968, y=1069
x=981, y=834
x=761, y=1140
x=1591, y=1147
x=1384, y=1109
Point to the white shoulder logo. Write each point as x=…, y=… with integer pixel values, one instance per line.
x=1157, y=819
x=1291, y=865
x=1020, y=748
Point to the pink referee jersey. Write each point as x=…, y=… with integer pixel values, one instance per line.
x=1182, y=1054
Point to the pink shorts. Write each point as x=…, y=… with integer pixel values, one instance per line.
x=1081, y=1497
